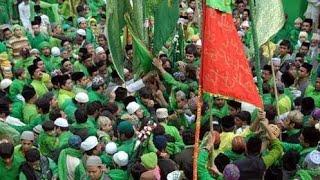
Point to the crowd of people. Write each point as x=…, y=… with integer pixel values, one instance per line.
x=66, y=114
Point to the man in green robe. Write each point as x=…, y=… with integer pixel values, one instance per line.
x=314, y=92
x=126, y=138
x=38, y=37
x=72, y=105
x=17, y=84
x=9, y=164
x=71, y=155
x=37, y=83
x=27, y=140
x=82, y=123
x=29, y=109
x=46, y=56
x=62, y=130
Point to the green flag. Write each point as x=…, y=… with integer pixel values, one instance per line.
x=165, y=20
x=142, y=62
x=115, y=23
x=269, y=19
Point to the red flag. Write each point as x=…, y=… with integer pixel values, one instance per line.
x=224, y=68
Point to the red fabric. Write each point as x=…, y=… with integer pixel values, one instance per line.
x=224, y=68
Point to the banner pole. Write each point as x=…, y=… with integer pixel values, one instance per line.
x=256, y=47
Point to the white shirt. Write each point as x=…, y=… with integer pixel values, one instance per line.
x=25, y=14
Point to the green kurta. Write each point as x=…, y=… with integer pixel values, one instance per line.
x=17, y=111
x=64, y=138
x=12, y=172
x=29, y=113
x=36, y=40
x=39, y=87
x=48, y=62
x=178, y=145
x=127, y=146
x=311, y=92
x=62, y=164
x=95, y=96
x=48, y=144
x=64, y=95
x=69, y=109
x=79, y=67
x=118, y=174
x=6, y=8
x=16, y=88
x=87, y=125
x=8, y=131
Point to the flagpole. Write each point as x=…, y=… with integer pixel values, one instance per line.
x=199, y=104
x=256, y=46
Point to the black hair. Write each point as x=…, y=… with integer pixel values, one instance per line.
x=112, y=107
x=28, y=92
x=32, y=155
x=191, y=49
x=290, y=160
x=234, y=104
x=43, y=104
x=254, y=145
x=55, y=114
x=311, y=136
x=267, y=68
x=128, y=100
x=48, y=125
x=244, y=116
x=31, y=69
x=81, y=115
x=37, y=8
x=158, y=130
x=92, y=70
x=93, y=107
x=227, y=123
x=308, y=20
x=307, y=105
x=6, y=150
x=4, y=106
x=121, y=93
x=79, y=9
x=221, y=161
x=306, y=44
x=188, y=137
x=286, y=43
x=128, y=47
x=55, y=80
x=145, y=93
x=287, y=78
x=63, y=80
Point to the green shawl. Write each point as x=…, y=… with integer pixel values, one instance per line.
x=62, y=165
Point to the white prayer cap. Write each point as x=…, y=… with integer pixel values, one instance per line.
x=121, y=158
x=82, y=97
x=189, y=10
x=5, y=83
x=94, y=161
x=298, y=20
x=27, y=135
x=174, y=175
x=199, y=43
x=81, y=32
x=312, y=160
x=276, y=61
x=125, y=71
x=132, y=107
x=99, y=50
x=55, y=51
x=34, y=51
x=61, y=122
x=162, y=113
x=315, y=36
x=89, y=143
x=38, y=129
x=111, y=148
x=81, y=20
x=245, y=24
x=303, y=33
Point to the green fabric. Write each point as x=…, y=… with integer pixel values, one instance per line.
x=311, y=92
x=178, y=145
x=9, y=132
x=142, y=59
x=29, y=113
x=48, y=144
x=224, y=6
x=165, y=21
x=95, y=96
x=96, y=6
x=269, y=19
x=62, y=163
x=127, y=146
x=284, y=103
x=63, y=96
x=17, y=111
x=233, y=156
x=64, y=138
x=18, y=152
x=6, y=8
x=267, y=99
x=149, y=160
x=39, y=87
x=47, y=60
x=118, y=174
x=36, y=40
x=169, y=79
x=107, y=160
x=114, y=29
x=16, y=88
x=87, y=125
x=203, y=173
x=69, y=109
x=79, y=67
x=274, y=154
x=294, y=9
x=12, y=172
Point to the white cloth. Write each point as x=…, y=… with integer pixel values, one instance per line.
x=14, y=121
x=45, y=23
x=72, y=163
x=312, y=12
x=24, y=12
x=133, y=86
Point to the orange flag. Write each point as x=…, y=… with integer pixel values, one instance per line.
x=224, y=68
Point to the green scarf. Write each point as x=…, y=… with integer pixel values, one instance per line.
x=62, y=165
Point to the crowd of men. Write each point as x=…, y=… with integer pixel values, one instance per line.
x=66, y=114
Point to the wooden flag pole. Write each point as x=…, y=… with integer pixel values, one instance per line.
x=199, y=103
x=256, y=46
